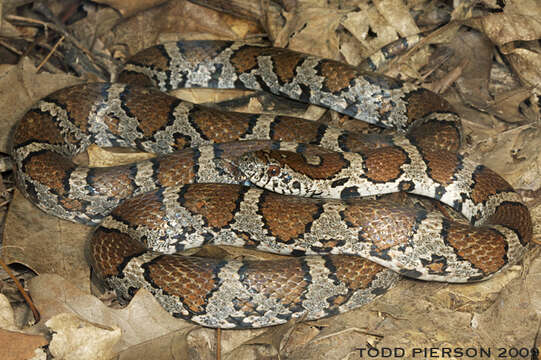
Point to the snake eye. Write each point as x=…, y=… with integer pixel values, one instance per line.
x=273, y=170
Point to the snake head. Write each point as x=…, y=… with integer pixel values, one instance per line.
x=274, y=170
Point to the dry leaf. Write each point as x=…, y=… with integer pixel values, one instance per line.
x=141, y=321
x=313, y=31
x=504, y=28
x=128, y=8
x=527, y=65
x=8, y=30
x=7, y=319
x=476, y=50
x=397, y=14
x=199, y=96
x=17, y=346
x=162, y=23
x=370, y=28
x=174, y=345
x=475, y=297
x=514, y=154
x=252, y=10
x=45, y=243
x=77, y=339
x=513, y=320
x=507, y=105
x=535, y=212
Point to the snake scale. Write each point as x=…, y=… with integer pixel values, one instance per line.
x=193, y=193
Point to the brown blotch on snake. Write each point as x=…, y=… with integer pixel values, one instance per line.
x=218, y=209
x=189, y=278
x=245, y=58
x=180, y=167
x=384, y=164
x=143, y=104
x=298, y=214
x=115, y=181
x=337, y=75
x=109, y=250
x=154, y=55
x=288, y=287
x=354, y=273
x=442, y=165
x=50, y=169
x=488, y=255
x=516, y=217
x=220, y=127
x=286, y=128
x=150, y=203
x=486, y=183
x=87, y=96
x=320, y=166
x=423, y=102
x=285, y=64
x=380, y=229
x=38, y=127
x=436, y=135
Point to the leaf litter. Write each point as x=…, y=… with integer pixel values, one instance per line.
x=485, y=60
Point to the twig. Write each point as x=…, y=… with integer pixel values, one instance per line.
x=10, y=48
x=218, y=344
x=50, y=53
x=29, y=20
x=58, y=29
x=26, y=297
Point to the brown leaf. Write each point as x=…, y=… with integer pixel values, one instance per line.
x=368, y=21
x=513, y=320
x=475, y=297
x=527, y=65
x=18, y=346
x=313, y=31
x=476, y=49
x=239, y=8
x=161, y=23
x=397, y=14
x=513, y=154
x=77, y=339
x=7, y=319
x=504, y=28
x=45, y=243
x=128, y=8
x=141, y=321
x=506, y=105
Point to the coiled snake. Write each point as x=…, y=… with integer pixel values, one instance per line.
x=190, y=195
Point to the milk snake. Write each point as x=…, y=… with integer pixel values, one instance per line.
x=193, y=193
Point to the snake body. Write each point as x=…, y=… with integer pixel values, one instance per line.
x=167, y=204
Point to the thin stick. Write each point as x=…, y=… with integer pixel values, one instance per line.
x=218, y=344
x=57, y=29
x=22, y=291
x=27, y=19
x=10, y=48
x=50, y=53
